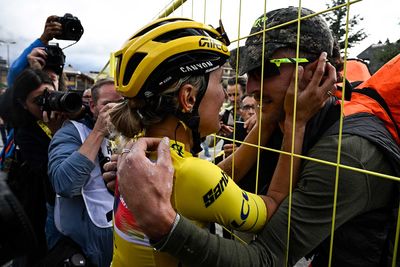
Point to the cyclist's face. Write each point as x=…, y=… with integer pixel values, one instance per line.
x=211, y=103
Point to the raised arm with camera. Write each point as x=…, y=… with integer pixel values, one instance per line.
x=51, y=29
x=67, y=27
x=50, y=58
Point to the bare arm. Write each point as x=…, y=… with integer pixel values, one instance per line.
x=245, y=156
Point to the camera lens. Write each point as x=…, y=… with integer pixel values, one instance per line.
x=71, y=102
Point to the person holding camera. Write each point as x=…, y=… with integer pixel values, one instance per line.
x=28, y=178
x=83, y=209
x=51, y=59
x=52, y=29
x=48, y=57
x=36, y=57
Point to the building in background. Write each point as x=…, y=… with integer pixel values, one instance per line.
x=78, y=80
x=378, y=54
x=3, y=73
x=75, y=78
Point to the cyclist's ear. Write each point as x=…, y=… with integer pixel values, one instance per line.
x=187, y=97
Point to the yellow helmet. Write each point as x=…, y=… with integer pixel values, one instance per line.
x=166, y=50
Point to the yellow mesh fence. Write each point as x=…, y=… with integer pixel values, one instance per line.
x=176, y=10
x=209, y=12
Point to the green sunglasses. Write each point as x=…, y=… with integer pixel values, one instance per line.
x=271, y=66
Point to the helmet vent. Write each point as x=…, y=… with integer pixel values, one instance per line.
x=156, y=25
x=133, y=62
x=180, y=33
x=144, y=31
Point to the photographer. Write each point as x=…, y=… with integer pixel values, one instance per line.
x=28, y=173
x=83, y=209
x=52, y=28
x=39, y=55
x=48, y=57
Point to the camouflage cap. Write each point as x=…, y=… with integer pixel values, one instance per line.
x=315, y=36
x=233, y=57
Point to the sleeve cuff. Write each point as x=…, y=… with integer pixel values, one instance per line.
x=82, y=161
x=160, y=244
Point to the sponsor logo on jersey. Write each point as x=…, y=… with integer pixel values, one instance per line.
x=178, y=149
x=214, y=193
x=245, y=202
x=244, y=211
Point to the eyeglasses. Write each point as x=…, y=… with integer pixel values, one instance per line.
x=271, y=66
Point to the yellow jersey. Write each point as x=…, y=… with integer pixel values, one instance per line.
x=202, y=192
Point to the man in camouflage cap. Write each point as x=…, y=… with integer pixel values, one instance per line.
x=364, y=202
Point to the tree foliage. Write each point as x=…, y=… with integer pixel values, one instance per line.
x=389, y=51
x=337, y=23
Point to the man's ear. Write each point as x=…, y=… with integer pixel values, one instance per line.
x=187, y=97
x=91, y=105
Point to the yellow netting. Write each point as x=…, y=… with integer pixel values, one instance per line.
x=236, y=43
x=199, y=10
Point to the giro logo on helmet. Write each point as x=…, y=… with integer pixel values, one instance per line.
x=197, y=66
x=211, y=43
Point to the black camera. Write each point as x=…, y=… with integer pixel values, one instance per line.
x=55, y=58
x=71, y=28
x=70, y=102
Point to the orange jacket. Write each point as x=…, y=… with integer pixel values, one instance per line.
x=380, y=95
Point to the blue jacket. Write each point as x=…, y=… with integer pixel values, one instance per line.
x=68, y=172
x=21, y=62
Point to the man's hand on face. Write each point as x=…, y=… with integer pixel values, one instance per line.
x=103, y=124
x=314, y=83
x=146, y=186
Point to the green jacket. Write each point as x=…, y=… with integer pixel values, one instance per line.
x=364, y=205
